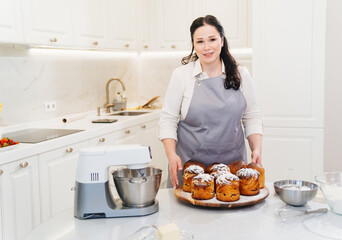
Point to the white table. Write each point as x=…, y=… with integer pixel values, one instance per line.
x=252, y=222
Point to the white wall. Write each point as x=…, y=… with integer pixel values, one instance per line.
x=76, y=80
x=333, y=88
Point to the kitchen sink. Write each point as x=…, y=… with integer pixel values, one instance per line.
x=127, y=113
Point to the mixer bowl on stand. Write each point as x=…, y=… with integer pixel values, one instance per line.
x=137, y=187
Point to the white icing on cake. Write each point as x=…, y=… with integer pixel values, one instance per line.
x=204, y=177
x=226, y=178
x=194, y=169
x=247, y=172
x=219, y=172
x=219, y=166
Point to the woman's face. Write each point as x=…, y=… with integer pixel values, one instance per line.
x=207, y=44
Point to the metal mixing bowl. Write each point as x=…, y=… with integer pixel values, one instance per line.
x=292, y=192
x=330, y=184
x=137, y=187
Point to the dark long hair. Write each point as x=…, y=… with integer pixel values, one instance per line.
x=233, y=78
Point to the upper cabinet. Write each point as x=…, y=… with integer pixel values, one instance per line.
x=113, y=24
x=123, y=22
x=169, y=22
x=10, y=21
x=91, y=26
x=232, y=14
x=146, y=32
x=173, y=20
x=47, y=22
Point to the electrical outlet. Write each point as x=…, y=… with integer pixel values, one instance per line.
x=50, y=106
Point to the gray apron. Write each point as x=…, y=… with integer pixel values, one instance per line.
x=211, y=131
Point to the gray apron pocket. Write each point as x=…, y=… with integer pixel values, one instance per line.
x=209, y=153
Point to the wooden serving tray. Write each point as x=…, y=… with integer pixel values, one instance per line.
x=243, y=201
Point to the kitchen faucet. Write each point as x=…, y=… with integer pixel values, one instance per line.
x=107, y=105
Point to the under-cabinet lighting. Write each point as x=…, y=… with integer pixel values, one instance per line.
x=47, y=50
x=165, y=54
x=39, y=51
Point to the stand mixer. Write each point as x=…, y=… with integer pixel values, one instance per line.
x=93, y=197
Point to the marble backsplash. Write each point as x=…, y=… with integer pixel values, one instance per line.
x=76, y=80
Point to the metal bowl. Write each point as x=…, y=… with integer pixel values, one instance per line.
x=137, y=187
x=330, y=184
x=295, y=192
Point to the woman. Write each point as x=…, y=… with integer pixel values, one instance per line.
x=205, y=102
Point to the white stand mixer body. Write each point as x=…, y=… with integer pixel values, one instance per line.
x=94, y=162
x=92, y=194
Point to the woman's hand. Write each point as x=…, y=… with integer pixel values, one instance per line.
x=256, y=156
x=255, y=141
x=175, y=165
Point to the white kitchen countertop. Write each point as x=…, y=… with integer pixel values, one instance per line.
x=23, y=150
x=252, y=222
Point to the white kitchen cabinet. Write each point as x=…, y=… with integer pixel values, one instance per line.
x=47, y=22
x=114, y=24
x=172, y=23
x=173, y=20
x=102, y=140
x=10, y=21
x=91, y=25
x=57, y=172
x=149, y=136
x=20, y=203
x=232, y=14
x=123, y=24
x=146, y=33
x=127, y=135
x=290, y=153
x=290, y=86
x=1, y=231
x=288, y=70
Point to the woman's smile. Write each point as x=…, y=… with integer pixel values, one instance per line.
x=208, y=54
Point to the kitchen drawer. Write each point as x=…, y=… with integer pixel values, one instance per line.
x=64, y=151
x=149, y=125
x=105, y=139
x=129, y=135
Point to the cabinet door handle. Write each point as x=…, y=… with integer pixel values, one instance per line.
x=69, y=150
x=127, y=45
x=102, y=140
x=143, y=126
x=173, y=46
x=23, y=164
x=1, y=172
x=53, y=40
x=128, y=131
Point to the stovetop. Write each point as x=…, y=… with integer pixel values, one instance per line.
x=36, y=135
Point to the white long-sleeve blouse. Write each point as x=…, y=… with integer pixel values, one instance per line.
x=179, y=93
